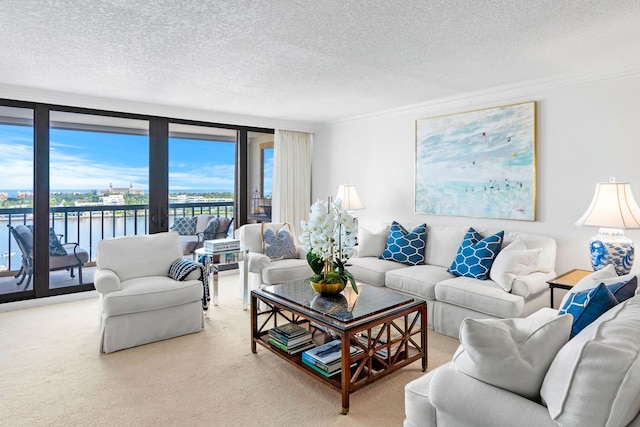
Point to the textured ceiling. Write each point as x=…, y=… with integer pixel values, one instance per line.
x=310, y=61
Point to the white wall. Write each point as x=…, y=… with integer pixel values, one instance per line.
x=586, y=132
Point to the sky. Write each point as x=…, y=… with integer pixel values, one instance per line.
x=81, y=160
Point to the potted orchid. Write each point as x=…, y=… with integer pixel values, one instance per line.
x=329, y=238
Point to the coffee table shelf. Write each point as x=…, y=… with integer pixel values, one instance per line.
x=390, y=329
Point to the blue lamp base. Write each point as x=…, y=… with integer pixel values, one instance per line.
x=611, y=246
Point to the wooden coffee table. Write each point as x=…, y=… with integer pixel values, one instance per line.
x=391, y=329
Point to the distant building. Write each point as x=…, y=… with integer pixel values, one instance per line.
x=4, y=196
x=120, y=190
x=114, y=199
x=25, y=194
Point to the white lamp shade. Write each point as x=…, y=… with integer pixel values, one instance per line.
x=613, y=206
x=350, y=200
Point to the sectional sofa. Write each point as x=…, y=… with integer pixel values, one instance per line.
x=545, y=379
x=515, y=291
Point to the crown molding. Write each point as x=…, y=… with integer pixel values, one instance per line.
x=511, y=93
x=22, y=93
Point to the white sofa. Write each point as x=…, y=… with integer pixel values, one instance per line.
x=263, y=270
x=450, y=299
x=139, y=302
x=592, y=381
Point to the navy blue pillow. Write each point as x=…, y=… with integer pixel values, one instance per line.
x=587, y=306
x=624, y=290
x=476, y=254
x=405, y=246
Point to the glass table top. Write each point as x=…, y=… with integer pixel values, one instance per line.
x=346, y=306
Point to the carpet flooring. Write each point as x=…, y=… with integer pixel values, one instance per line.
x=51, y=374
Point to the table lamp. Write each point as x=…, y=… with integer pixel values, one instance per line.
x=613, y=209
x=350, y=200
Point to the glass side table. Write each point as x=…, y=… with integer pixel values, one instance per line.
x=215, y=259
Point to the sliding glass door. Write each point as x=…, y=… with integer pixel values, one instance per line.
x=99, y=182
x=16, y=200
x=202, y=170
x=73, y=176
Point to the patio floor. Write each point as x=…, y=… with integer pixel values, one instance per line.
x=57, y=279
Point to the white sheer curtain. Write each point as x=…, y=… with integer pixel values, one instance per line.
x=291, y=177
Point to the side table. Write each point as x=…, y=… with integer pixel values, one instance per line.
x=567, y=280
x=227, y=257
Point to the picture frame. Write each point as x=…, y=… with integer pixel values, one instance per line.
x=479, y=163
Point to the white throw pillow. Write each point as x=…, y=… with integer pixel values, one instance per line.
x=513, y=354
x=607, y=276
x=513, y=261
x=372, y=243
x=595, y=378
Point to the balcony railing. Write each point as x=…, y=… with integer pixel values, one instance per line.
x=87, y=225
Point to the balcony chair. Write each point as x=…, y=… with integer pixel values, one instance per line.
x=195, y=230
x=139, y=301
x=62, y=256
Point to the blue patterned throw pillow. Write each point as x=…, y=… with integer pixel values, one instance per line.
x=587, y=306
x=476, y=254
x=406, y=247
x=55, y=247
x=211, y=229
x=279, y=245
x=185, y=226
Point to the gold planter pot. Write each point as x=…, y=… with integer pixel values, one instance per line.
x=327, y=288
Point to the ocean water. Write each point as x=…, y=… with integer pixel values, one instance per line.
x=89, y=230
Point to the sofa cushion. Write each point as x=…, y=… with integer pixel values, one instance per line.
x=625, y=289
x=512, y=261
x=250, y=235
x=547, y=262
x=184, y=226
x=606, y=275
x=209, y=232
x=279, y=244
x=286, y=270
x=595, y=378
x=71, y=259
x=587, y=306
x=222, y=232
x=513, y=354
x=371, y=243
x=483, y=296
x=417, y=403
x=419, y=280
x=55, y=247
x=372, y=270
x=126, y=256
x=476, y=254
x=181, y=268
x=135, y=295
x=406, y=247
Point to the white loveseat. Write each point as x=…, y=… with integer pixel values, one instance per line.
x=592, y=381
x=450, y=299
x=139, y=302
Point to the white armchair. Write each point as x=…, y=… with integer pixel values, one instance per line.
x=263, y=270
x=139, y=302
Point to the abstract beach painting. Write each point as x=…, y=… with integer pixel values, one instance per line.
x=478, y=164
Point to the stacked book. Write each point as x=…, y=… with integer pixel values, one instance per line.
x=221, y=245
x=327, y=358
x=291, y=338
